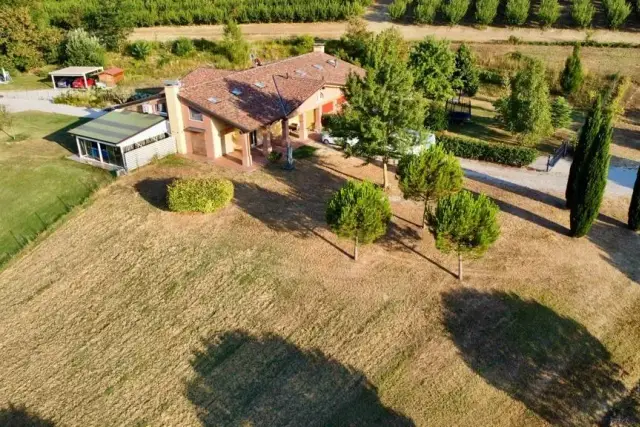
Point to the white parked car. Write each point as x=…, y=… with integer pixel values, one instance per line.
x=328, y=139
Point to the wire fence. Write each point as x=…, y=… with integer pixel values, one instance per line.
x=14, y=240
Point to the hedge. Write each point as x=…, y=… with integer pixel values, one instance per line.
x=476, y=149
x=199, y=194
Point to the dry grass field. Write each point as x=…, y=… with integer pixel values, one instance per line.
x=130, y=315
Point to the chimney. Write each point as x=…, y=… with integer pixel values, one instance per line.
x=174, y=111
x=318, y=47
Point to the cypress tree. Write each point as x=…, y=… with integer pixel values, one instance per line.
x=634, y=208
x=591, y=179
x=572, y=75
x=588, y=133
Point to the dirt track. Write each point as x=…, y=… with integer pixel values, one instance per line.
x=330, y=30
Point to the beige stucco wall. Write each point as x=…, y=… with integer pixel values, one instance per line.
x=318, y=99
x=174, y=111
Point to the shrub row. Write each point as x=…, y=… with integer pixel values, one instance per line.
x=64, y=13
x=199, y=194
x=476, y=149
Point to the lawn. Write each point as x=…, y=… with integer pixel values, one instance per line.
x=130, y=315
x=38, y=184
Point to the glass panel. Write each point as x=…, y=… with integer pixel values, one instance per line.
x=195, y=115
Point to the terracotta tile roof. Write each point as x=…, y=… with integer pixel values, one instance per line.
x=112, y=71
x=263, y=94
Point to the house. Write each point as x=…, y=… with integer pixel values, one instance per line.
x=123, y=140
x=238, y=114
x=215, y=113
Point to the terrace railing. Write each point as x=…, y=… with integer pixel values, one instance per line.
x=560, y=153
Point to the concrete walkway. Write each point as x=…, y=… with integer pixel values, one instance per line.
x=620, y=183
x=18, y=105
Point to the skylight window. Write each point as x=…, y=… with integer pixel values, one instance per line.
x=332, y=62
x=236, y=91
x=261, y=85
x=318, y=67
x=301, y=73
x=213, y=100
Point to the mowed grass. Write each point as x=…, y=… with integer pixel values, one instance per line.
x=38, y=184
x=132, y=315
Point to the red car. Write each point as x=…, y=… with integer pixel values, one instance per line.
x=79, y=83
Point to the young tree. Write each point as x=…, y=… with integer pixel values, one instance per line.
x=111, y=22
x=588, y=134
x=382, y=106
x=6, y=121
x=549, y=12
x=425, y=11
x=572, y=76
x=591, y=180
x=429, y=176
x=561, y=113
x=517, y=11
x=582, y=12
x=397, y=9
x=486, y=11
x=617, y=12
x=182, y=46
x=455, y=10
x=433, y=64
x=353, y=44
x=466, y=71
x=234, y=44
x=634, y=207
x=81, y=49
x=140, y=49
x=359, y=211
x=527, y=110
x=464, y=224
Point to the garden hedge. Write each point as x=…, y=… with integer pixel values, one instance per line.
x=476, y=149
x=199, y=194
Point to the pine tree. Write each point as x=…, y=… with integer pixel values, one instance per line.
x=591, y=179
x=572, y=75
x=486, y=11
x=560, y=113
x=359, y=211
x=549, y=12
x=634, y=207
x=382, y=106
x=466, y=71
x=433, y=65
x=465, y=225
x=429, y=176
x=588, y=134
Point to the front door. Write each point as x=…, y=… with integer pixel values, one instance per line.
x=198, y=143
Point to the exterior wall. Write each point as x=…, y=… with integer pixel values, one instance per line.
x=143, y=155
x=160, y=128
x=318, y=99
x=138, y=108
x=205, y=125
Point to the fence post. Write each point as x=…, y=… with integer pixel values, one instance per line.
x=67, y=208
x=44, y=225
x=16, y=239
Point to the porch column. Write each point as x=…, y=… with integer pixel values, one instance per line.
x=247, y=161
x=285, y=131
x=302, y=122
x=100, y=152
x=266, y=141
x=79, y=150
x=84, y=77
x=318, y=124
x=53, y=81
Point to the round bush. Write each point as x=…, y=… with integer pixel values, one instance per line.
x=199, y=194
x=183, y=46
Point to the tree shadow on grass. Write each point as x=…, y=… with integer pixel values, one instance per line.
x=154, y=191
x=549, y=362
x=19, y=416
x=264, y=380
x=621, y=247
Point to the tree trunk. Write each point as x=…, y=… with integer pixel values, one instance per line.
x=9, y=135
x=355, y=249
x=385, y=183
x=424, y=215
x=459, y=266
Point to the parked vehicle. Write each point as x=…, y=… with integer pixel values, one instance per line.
x=64, y=83
x=420, y=140
x=78, y=83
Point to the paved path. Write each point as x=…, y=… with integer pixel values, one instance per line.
x=18, y=105
x=332, y=30
x=620, y=181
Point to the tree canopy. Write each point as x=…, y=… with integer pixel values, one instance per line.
x=359, y=211
x=464, y=224
x=466, y=72
x=81, y=49
x=572, y=74
x=433, y=65
x=112, y=23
